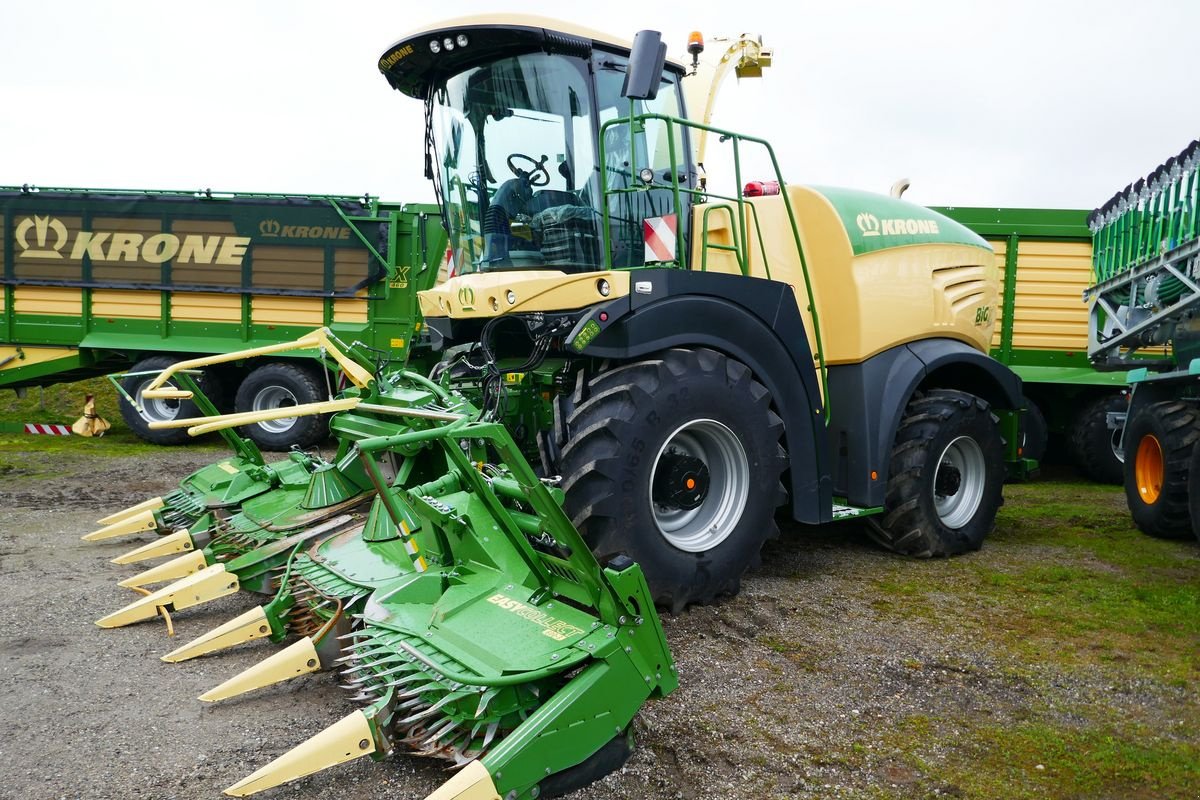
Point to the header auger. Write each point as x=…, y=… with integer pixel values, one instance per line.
x=430, y=566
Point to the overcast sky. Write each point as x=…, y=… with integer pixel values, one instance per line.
x=1035, y=104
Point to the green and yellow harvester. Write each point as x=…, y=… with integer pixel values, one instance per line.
x=635, y=374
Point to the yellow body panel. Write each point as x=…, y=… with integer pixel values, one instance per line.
x=1049, y=312
x=47, y=300
x=206, y=307
x=113, y=303
x=867, y=303
x=486, y=294
x=14, y=357
x=350, y=312
x=304, y=311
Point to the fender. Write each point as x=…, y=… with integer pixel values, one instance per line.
x=757, y=322
x=867, y=403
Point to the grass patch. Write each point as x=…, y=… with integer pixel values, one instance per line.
x=1038, y=760
x=1065, y=579
x=63, y=403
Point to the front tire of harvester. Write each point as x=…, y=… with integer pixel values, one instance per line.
x=279, y=385
x=1095, y=448
x=161, y=410
x=1158, y=444
x=675, y=461
x=946, y=477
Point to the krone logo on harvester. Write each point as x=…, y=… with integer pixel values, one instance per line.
x=50, y=238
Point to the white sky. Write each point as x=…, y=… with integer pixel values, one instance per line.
x=1036, y=104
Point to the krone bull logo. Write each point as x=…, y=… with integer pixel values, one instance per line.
x=868, y=223
x=42, y=227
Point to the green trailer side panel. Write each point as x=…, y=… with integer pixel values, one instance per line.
x=122, y=273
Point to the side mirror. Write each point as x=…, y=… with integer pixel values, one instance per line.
x=646, y=62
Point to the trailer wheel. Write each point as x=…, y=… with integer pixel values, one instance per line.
x=946, y=477
x=1095, y=449
x=1159, y=441
x=675, y=461
x=280, y=385
x=1193, y=490
x=1033, y=431
x=161, y=410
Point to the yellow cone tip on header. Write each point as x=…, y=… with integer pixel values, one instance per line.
x=138, y=523
x=472, y=782
x=207, y=584
x=298, y=658
x=343, y=741
x=172, y=570
x=243, y=628
x=178, y=542
x=153, y=504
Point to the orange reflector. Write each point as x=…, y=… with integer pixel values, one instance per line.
x=874, y=475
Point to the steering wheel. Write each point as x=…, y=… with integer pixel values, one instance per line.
x=538, y=176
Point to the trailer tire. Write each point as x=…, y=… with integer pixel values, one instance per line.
x=162, y=410
x=1159, y=441
x=275, y=385
x=1094, y=448
x=1194, y=490
x=675, y=461
x=1034, y=433
x=946, y=477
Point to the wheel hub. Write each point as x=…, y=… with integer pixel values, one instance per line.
x=699, y=485
x=270, y=398
x=949, y=479
x=960, y=482
x=680, y=481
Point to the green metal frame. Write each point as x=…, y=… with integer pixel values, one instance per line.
x=636, y=124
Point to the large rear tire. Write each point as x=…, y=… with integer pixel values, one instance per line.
x=946, y=477
x=1095, y=448
x=675, y=461
x=161, y=410
x=279, y=385
x=1158, y=445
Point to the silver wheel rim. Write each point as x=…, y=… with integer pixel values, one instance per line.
x=957, y=501
x=702, y=528
x=270, y=398
x=156, y=409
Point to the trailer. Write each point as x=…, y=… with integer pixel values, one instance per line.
x=97, y=281
x=1144, y=303
x=1045, y=261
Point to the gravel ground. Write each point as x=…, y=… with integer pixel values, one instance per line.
x=797, y=688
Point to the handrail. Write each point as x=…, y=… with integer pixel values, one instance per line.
x=636, y=123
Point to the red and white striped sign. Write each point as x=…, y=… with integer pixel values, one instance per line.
x=47, y=430
x=659, y=233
